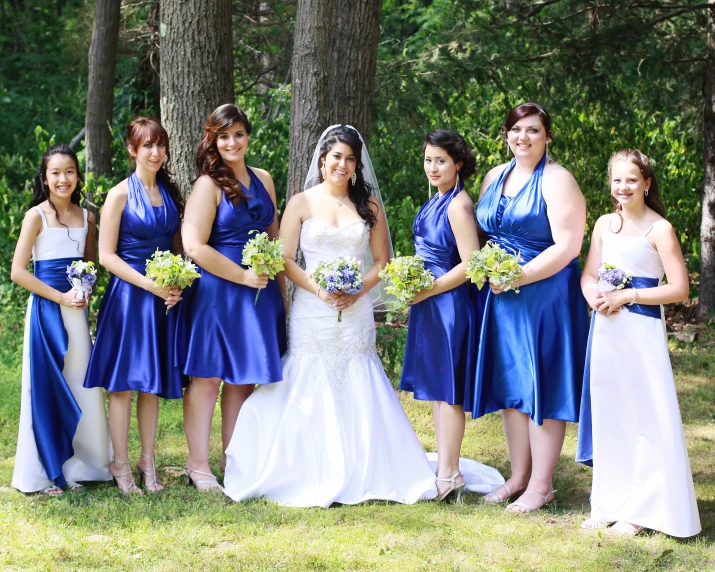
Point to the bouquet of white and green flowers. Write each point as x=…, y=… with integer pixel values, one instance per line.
x=406, y=276
x=495, y=264
x=263, y=256
x=172, y=270
x=338, y=275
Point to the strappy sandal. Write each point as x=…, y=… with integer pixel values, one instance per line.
x=593, y=524
x=529, y=508
x=623, y=528
x=148, y=478
x=52, y=491
x=455, y=488
x=211, y=483
x=499, y=498
x=132, y=486
x=75, y=487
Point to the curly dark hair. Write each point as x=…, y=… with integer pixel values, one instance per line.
x=208, y=159
x=142, y=129
x=41, y=193
x=361, y=191
x=456, y=147
x=640, y=160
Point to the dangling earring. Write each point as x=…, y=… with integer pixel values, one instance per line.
x=354, y=178
x=322, y=171
x=429, y=189
x=456, y=183
x=646, y=191
x=547, y=147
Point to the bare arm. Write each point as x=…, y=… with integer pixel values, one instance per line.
x=295, y=212
x=90, y=246
x=589, y=277
x=676, y=290
x=108, y=238
x=272, y=230
x=199, y=216
x=461, y=218
x=567, y=218
x=31, y=227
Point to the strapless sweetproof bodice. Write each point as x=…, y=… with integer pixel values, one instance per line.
x=320, y=240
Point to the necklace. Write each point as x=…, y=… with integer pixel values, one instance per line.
x=339, y=200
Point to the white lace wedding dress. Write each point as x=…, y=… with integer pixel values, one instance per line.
x=333, y=431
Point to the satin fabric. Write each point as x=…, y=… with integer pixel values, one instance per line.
x=134, y=349
x=584, y=449
x=55, y=412
x=533, y=344
x=443, y=330
x=222, y=332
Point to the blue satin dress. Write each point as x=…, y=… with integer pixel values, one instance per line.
x=533, y=344
x=443, y=330
x=222, y=333
x=134, y=349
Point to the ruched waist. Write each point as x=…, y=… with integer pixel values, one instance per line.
x=433, y=255
x=527, y=249
x=53, y=272
x=136, y=254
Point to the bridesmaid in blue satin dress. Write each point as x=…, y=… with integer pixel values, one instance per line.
x=533, y=343
x=443, y=328
x=225, y=336
x=134, y=349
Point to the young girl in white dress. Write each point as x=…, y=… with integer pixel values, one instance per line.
x=630, y=429
x=63, y=437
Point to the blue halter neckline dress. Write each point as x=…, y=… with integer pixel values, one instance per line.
x=222, y=332
x=134, y=349
x=533, y=344
x=443, y=330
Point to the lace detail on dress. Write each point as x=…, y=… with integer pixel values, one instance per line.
x=318, y=234
x=332, y=356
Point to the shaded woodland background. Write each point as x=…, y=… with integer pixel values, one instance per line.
x=612, y=74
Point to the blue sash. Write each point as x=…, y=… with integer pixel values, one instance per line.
x=584, y=449
x=55, y=413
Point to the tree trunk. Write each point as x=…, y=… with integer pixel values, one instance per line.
x=196, y=75
x=309, y=87
x=100, y=90
x=353, y=62
x=706, y=305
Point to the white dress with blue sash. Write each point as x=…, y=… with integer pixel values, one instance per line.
x=90, y=444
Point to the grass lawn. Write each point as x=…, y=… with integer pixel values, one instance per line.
x=185, y=530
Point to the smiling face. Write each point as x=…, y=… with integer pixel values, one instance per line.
x=628, y=185
x=527, y=137
x=440, y=168
x=232, y=143
x=149, y=155
x=340, y=164
x=61, y=176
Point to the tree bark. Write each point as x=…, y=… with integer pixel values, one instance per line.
x=706, y=305
x=100, y=90
x=309, y=87
x=353, y=62
x=196, y=75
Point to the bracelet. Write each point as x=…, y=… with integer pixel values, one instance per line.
x=318, y=292
x=286, y=299
x=635, y=297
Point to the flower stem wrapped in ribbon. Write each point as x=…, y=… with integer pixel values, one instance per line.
x=495, y=264
x=612, y=278
x=406, y=276
x=172, y=270
x=83, y=276
x=338, y=275
x=263, y=256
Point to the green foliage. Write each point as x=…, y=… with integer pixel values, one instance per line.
x=391, y=337
x=405, y=276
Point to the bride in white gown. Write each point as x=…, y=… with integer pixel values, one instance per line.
x=333, y=431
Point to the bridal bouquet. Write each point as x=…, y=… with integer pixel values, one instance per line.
x=263, y=256
x=338, y=275
x=83, y=276
x=173, y=270
x=495, y=264
x=406, y=276
x=612, y=278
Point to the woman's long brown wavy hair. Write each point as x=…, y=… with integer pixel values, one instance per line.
x=208, y=159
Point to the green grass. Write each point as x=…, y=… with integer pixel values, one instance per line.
x=184, y=530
